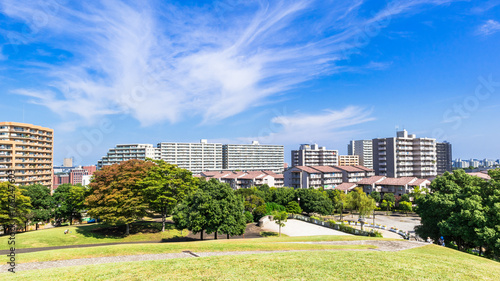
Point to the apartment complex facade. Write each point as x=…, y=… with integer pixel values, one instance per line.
x=405, y=156
x=364, y=150
x=348, y=160
x=253, y=157
x=27, y=150
x=239, y=180
x=313, y=176
x=314, y=155
x=195, y=157
x=444, y=157
x=203, y=156
x=124, y=152
x=397, y=186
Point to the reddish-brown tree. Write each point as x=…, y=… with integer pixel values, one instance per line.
x=116, y=196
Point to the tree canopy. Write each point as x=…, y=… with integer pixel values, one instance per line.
x=464, y=209
x=116, y=194
x=165, y=186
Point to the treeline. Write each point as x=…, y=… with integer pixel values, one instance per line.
x=34, y=204
x=465, y=210
x=126, y=192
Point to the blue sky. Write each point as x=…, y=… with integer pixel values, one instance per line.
x=281, y=72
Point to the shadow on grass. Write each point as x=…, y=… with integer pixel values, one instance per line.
x=105, y=231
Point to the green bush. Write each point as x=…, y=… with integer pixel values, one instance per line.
x=271, y=207
x=316, y=218
x=259, y=212
x=248, y=217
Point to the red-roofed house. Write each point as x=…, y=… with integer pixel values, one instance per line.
x=355, y=173
x=313, y=176
x=246, y=179
x=398, y=186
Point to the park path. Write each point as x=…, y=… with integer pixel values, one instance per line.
x=295, y=227
x=381, y=246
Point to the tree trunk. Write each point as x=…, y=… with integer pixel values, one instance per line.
x=228, y=236
x=201, y=234
x=215, y=235
x=163, y=218
x=127, y=229
x=280, y=231
x=36, y=226
x=71, y=220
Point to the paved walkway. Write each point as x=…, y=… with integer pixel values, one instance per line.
x=300, y=228
x=381, y=246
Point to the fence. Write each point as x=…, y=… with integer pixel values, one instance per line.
x=336, y=226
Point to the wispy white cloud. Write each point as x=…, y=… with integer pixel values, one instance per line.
x=159, y=62
x=325, y=127
x=488, y=28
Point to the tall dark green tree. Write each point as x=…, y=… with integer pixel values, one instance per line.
x=69, y=201
x=41, y=202
x=165, y=186
x=15, y=206
x=314, y=201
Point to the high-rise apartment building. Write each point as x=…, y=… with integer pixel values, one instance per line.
x=364, y=150
x=26, y=150
x=314, y=155
x=124, y=152
x=253, y=157
x=348, y=160
x=444, y=157
x=196, y=157
x=405, y=156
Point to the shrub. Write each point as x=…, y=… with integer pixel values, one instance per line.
x=271, y=207
x=316, y=218
x=259, y=212
x=293, y=208
x=248, y=217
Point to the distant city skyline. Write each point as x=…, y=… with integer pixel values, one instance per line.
x=280, y=72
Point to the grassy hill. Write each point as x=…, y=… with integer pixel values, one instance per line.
x=93, y=234
x=425, y=263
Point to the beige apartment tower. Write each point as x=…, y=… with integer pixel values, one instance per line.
x=26, y=149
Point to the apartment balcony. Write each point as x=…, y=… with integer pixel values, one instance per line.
x=382, y=153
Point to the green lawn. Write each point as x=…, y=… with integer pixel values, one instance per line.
x=427, y=263
x=221, y=245
x=90, y=234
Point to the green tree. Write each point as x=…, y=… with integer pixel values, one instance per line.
x=405, y=206
x=376, y=196
x=459, y=208
x=69, y=200
x=314, y=201
x=233, y=221
x=282, y=195
x=280, y=217
x=259, y=212
x=198, y=212
x=389, y=197
x=165, y=186
x=418, y=192
x=387, y=205
x=293, y=208
x=116, y=194
x=252, y=202
x=41, y=202
x=13, y=209
x=404, y=198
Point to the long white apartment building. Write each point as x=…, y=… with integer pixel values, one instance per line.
x=364, y=150
x=124, y=152
x=196, y=157
x=253, y=157
x=405, y=156
x=314, y=155
x=203, y=156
